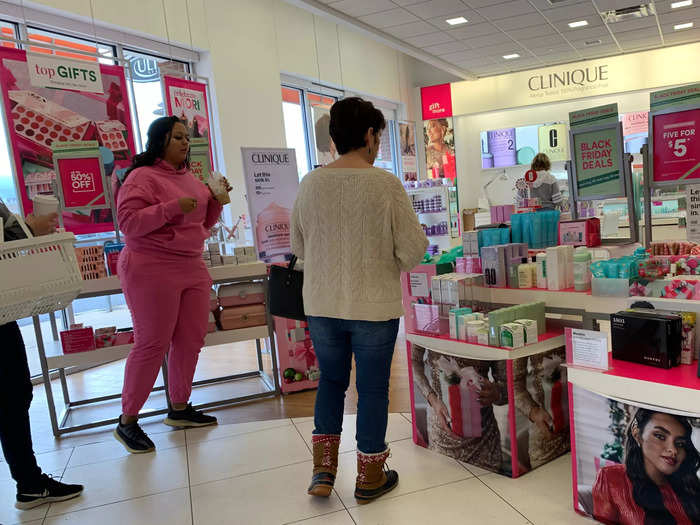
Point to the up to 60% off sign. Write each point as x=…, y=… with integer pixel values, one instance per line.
x=676, y=146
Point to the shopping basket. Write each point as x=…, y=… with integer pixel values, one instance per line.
x=38, y=275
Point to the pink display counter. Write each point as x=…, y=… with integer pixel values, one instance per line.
x=615, y=411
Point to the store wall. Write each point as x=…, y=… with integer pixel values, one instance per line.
x=245, y=45
x=468, y=145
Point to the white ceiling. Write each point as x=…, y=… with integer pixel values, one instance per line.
x=537, y=30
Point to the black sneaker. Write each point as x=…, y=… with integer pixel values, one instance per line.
x=50, y=491
x=189, y=417
x=134, y=438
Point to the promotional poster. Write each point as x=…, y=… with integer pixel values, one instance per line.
x=409, y=161
x=187, y=100
x=272, y=183
x=439, y=138
x=619, y=447
x=677, y=146
x=597, y=158
x=39, y=117
x=508, y=417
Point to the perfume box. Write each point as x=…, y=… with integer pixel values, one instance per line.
x=649, y=337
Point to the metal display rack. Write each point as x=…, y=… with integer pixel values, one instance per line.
x=52, y=358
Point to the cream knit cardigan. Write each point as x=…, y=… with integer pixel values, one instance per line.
x=355, y=230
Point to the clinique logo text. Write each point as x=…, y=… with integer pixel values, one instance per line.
x=574, y=77
x=270, y=158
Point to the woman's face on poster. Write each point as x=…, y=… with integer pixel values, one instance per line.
x=664, y=443
x=435, y=132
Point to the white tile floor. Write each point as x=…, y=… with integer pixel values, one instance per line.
x=257, y=473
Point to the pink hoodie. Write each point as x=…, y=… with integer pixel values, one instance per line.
x=150, y=217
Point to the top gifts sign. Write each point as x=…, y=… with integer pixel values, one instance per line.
x=49, y=71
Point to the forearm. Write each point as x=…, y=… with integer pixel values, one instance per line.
x=138, y=222
x=214, y=208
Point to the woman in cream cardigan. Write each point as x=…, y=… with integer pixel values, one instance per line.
x=355, y=228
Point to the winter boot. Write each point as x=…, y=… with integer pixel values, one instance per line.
x=374, y=478
x=325, y=464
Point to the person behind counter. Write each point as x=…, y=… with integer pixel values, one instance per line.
x=33, y=487
x=165, y=213
x=545, y=186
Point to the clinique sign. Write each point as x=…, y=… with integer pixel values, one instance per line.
x=568, y=81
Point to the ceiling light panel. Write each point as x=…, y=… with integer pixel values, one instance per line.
x=682, y=3
x=680, y=27
x=511, y=56
x=578, y=23
x=457, y=21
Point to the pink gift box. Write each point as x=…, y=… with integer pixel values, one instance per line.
x=78, y=340
x=241, y=294
x=427, y=318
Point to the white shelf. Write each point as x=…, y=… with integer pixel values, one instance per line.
x=558, y=299
x=56, y=359
x=638, y=391
x=219, y=274
x=471, y=351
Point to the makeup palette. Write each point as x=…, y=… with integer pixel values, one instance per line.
x=111, y=134
x=43, y=121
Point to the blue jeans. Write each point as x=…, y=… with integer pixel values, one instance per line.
x=335, y=341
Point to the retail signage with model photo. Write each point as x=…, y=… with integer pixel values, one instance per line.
x=272, y=182
x=621, y=451
x=407, y=143
x=439, y=139
x=39, y=118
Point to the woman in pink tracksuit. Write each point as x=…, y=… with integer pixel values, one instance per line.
x=165, y=214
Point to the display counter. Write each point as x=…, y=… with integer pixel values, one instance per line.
x=53, y=358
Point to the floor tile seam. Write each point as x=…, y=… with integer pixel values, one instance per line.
x=502, y=498
x=91, y=463
x=123, y=500
x=189, y=486
x=244, y=474
x=302, y=437
x=236, y=435
x=390, y=496
x=314, y=517
x=63, y=473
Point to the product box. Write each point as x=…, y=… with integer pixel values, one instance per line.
x=512, y=335
x=247, y=316
x=531, y=334
x=650, y=337
x=580, y=232
x=462, y=322
x=493, y=262
x=455, y=314
x=239, y=294
x=78, y=340
x=556, y=269
x=470, y=243
x=427, y=318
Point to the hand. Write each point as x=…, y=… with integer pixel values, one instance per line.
x=187, y=204
x=228, y=186
x=543, y=421
x=442, y=414
x=43, y=224
x=489, y=394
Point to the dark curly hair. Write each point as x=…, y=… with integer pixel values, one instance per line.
x=684, y=481
x=159, y=133
x=350, y=120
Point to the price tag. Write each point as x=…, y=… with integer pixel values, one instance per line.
x=587, y=348
x=677, y=146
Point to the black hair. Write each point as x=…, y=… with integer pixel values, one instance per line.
x=350, y=120
x=159, y=133
x=684, y=481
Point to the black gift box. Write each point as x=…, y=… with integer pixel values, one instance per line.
x=649, y=337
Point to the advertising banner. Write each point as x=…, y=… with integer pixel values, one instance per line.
x=635, y=130
x=615, y=445
x=439, y=138
x=50, y=71
x=200, y=161
x=80, y=175
x=407, y=143
x=676, y=146
x=39, y=117
x=693, y=212
x=271, y=182
x=187, y=100
x=436, y=101
x=594, y=116
x=597, y=157
x=553, y=142
x=674, y=97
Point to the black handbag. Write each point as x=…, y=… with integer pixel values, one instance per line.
x=285, y=291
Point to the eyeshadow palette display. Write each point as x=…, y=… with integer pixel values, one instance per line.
x=111, y=134
x=44, y=122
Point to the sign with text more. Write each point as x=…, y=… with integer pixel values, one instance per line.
x=80, y=172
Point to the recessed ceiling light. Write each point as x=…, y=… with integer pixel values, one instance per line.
x=580, y=23
x=683, y=26
x=510, y=57
x=682, y=3
x=457, y=21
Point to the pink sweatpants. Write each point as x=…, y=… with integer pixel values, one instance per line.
x=169, y=303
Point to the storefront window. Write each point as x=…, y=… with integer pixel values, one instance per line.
x=148, y=90
x=75, y=47
x=320, y=108
x=294, y=127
